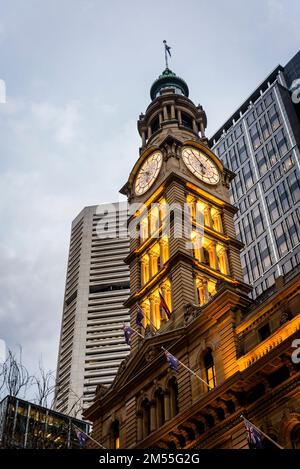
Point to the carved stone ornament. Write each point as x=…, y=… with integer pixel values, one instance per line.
x=150, y=354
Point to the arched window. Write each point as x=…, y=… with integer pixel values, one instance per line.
x=209, y=365
x=295, y=437
x=116, y=434
x=154, y=218
x=154, y=124
x=160, y=407
x=187, y=121
x=146, y=417
x=173, y=389
x=206, y=257
x=144, y=229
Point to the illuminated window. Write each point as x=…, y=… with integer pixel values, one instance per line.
x=210, y=369
x=156, y=311
x=163, y=208
x=144, y=229
x=116, y=434
x=206, y=289
x=154, y=218
x=145, y=305
x=164, y=249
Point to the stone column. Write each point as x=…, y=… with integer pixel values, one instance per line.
x=213, y=255
x=143, y=271
x=225, y=254
x=179, y=116
x=143, y=138
x=165, y=113
x=218, y=221
x=153, y=302
x=147, y=314
x=163, y=244
x=173, y=112
x=199, y=249
x=195, y=128
x=153, y=260
x=203, y=291
x=202, y=129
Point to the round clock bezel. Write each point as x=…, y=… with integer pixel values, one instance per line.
x=154, y=175
x=207, y=180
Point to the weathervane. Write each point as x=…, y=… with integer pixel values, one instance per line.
x=167, y=51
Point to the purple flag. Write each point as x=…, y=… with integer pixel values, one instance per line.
x=139, y=316
x=127, y=334
x=173, y=362
x=254, y=437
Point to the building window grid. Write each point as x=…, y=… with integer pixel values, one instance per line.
x=245, y=177
x=267, y=95
x=281, y=239
x=281, y=146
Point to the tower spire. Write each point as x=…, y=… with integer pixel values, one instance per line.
x=167, y=52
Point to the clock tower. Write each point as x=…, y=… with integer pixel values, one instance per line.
x=185, y=277
x=186, y=250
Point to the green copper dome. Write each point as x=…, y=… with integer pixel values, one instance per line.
x=169, y=79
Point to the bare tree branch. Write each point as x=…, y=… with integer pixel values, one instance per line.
x=14, y=376
x=45, y=386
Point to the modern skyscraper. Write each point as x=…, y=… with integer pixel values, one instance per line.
x=188, y=293
x=260, y=142
x=97, y=284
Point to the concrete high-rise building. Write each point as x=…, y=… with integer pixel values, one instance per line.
x=260, y=143
x=92, y=341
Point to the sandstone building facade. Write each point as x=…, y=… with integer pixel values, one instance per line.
x=240, y=347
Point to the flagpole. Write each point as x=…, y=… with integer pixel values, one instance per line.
x=263, y=433
x=91, y=438
x=191, y=371
x=138, y=333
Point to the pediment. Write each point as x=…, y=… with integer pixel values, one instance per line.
x=143, y=358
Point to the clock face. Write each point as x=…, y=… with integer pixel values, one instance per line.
x=200, y=165
x=148, y=173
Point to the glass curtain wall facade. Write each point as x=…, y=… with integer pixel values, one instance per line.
x=27, y=425
x=260, y=143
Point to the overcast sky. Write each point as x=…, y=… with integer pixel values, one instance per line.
x=78, y=74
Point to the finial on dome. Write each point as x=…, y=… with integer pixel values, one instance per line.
x=167, y=52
